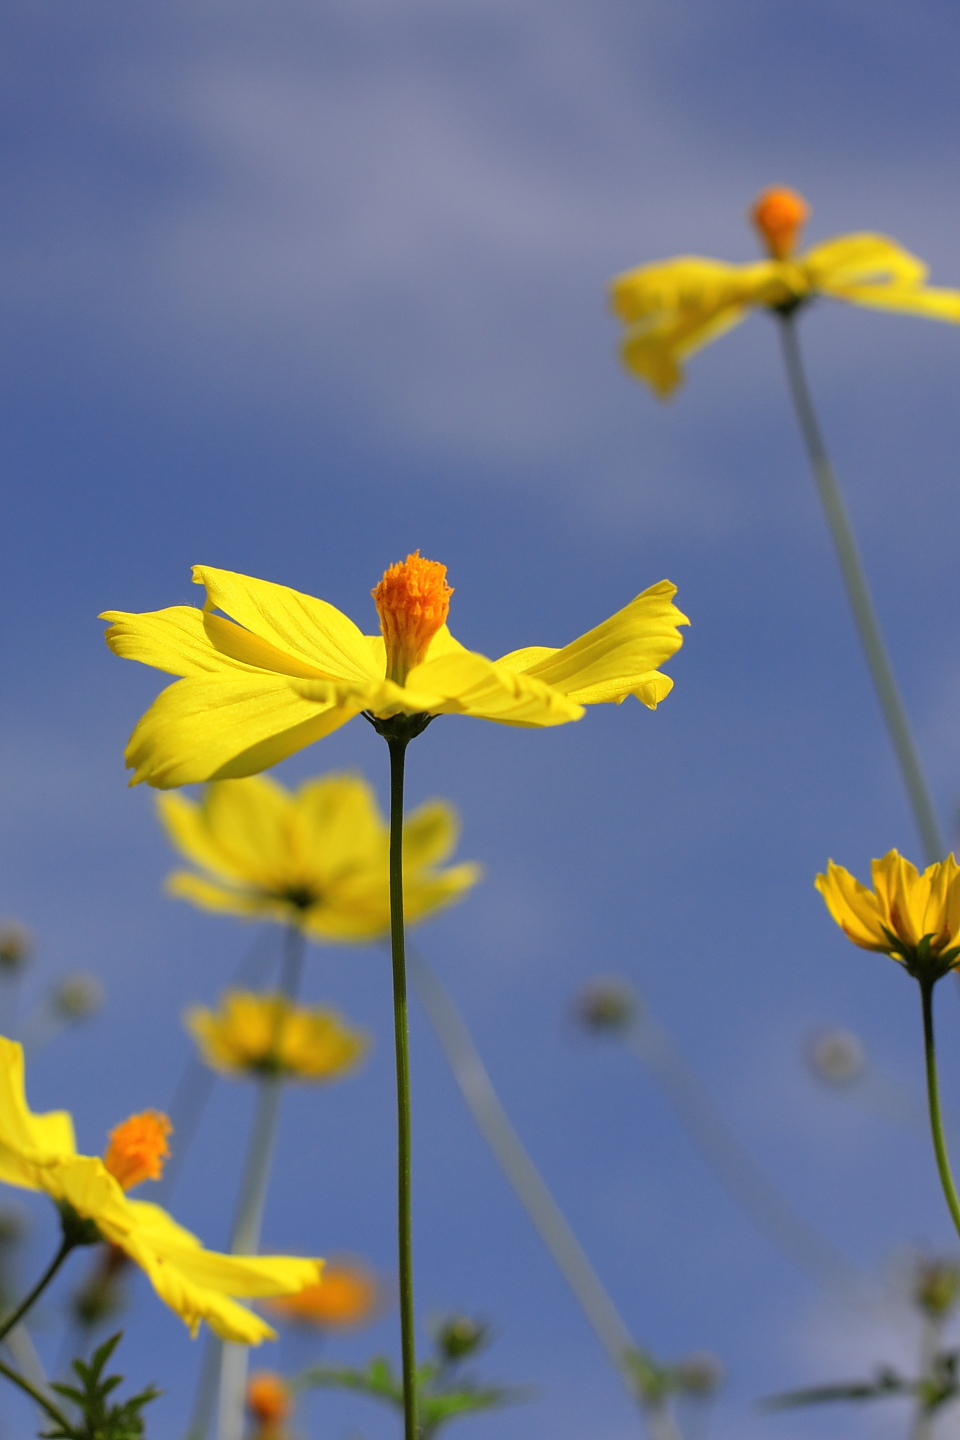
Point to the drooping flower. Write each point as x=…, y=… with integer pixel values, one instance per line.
x=317, y=857
x=914, y=918
x=674, y=307
x=349, y=1294
x=270, y=1404
x=255, y=1034
x=277, y=670
x=38, y=1152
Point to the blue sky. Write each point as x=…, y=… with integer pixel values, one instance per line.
x=294, y=289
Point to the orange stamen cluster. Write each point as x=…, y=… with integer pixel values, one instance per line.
x=348, y=1294
x=268, y=1400
x=780, y=215
x=138, y=1148
x=412, y=601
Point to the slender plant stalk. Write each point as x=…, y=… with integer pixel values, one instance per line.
x=738, y=1172
x=37, y=1396
x=245, y=1239
x=66, y=1245
x=508, y=1150
x=933, y=1100
x=858, y=593
x=401, y=1043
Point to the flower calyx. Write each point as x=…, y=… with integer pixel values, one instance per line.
x=929, y=960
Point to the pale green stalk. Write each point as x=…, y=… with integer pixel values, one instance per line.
x=858, y=593
x=933, y=1101
x=510, y=1154
x=245, y=1239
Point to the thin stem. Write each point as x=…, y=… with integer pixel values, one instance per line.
x=858, y=593
x=933, y=1100
x=38, y=1396
x=404, y=1223
x=66, y=1245
x=736, y=1169
x=510, y=1154
x=245, y=1239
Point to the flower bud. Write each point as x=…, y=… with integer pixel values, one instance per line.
x=700, y=1374
x=16, y=946
x=76, y=996
x=458, y=1336
x=836, y=1056
x=607, y=1004
x=937, y=1287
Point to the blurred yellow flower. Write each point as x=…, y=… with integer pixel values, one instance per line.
x=348, y=1295
x=317, y=857
x=913, y=918
x=287, y=669
x=674, y=307
x=38, y=1152
x=265, y=1034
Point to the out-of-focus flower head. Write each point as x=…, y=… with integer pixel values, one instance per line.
x=38, y=1152
x=937, y=1287
x=317, y=857
x=76, y=997
x=349, y=1295
x=459, y=1336
x=914, y=918
x=270, y=1404
x=253, y=1034
x=276, y=670
x=674, y=307
x=16, y=947
x=836, y=1056
x=607, y=1005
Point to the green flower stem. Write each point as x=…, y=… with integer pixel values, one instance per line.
x=245, y=1239
x=933, y=1100
x=858, y=593
x=510, y=1154
x=66, y=1245
x=39, y=1397
x=398, y=749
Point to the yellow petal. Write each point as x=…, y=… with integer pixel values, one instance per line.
x=861, y=259
x=337, y=826
x=297, y=624
x=174, y=640
x=225, y=899
x=473, y=685
x=853, y=906
x=925, y=300
x=617, y=657
x=36, y=1138
x=430, y=834
x=205, y=729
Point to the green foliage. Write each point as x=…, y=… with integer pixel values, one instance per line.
x=699, y=1376
x=933, y=1391
x=100, y=1420
x=443, y=1394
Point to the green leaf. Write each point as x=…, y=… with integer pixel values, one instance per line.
x=98, y=1419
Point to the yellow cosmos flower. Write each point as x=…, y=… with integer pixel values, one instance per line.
x=276, y=670
x=348, y=1295
x=38, y=1152
x=267, y=1035
x=913, y=918
x=674, y=307
x=317, y=858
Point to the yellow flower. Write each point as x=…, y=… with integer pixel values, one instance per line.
x=317, y=858
x=287, y=669
x=674, y=307
x=913, y=918
x=37, y=1152
x=349, y=1294
x=266, y=1034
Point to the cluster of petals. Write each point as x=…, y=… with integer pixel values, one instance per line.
x=674, y=307
x=317, y=857
x=350, y=1294
x=913, y=917
x=267, y=670
x=253, y=1034
x=38, y=1152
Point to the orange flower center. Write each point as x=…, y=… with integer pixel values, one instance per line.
x=138, y=1148
x=268, y=1398
x=412, y=601
x=347, y=1295
x=780, y=215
